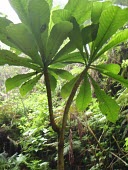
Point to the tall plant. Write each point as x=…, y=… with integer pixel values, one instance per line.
x=89, y=28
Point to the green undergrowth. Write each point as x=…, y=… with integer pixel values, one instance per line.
x=91, y=142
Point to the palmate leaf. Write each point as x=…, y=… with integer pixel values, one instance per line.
x=58, y=34
x=108, y=25
x=21, y=8
x=7, y=57
x=39, y=16
x=21, y=37
x=17, y=80
x=28, y=85
x=113, y=68
x=84, y=96
x=116, y=39
x=80, y=9
x=107, y=105
x=97, y=9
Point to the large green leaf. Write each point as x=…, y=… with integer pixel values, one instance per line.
x=61, y=15
x=53, y=82
x=58, y=34
x=84, y=96
x=107, y=105
x=21, y=8
x=110, y=21
x=21, y=37
x=67, y=88
x=74, y=57
x=7, y=57
x=89, y=33
x=118, y=78
x=28, y=85
x=64, y=74
x=17, y=80
x=75, y=35
x=39, y=16
x=113, y=68
x=97, y=9
x=116, y=39
x=69, y=47
x=4, y=22
x=80, y=9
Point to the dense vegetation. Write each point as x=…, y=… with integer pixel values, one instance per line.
x=95, y=132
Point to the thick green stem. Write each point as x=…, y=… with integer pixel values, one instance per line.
x=60, y=163
x=61, y=132
x=69, y=101
x=49, y=97
x=64, y=121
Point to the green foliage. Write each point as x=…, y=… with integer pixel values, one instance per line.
x=107, y=105
x=126, y=144
x=85, y=29
x=57, y=36
x=34, y=35
x=12, y=162
x=84, y=96
x=18, y=79
x=28, y=86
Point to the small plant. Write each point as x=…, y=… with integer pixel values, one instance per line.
x=11, y=163
x=126, y=144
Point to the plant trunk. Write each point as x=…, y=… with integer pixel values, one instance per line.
x=60, y=163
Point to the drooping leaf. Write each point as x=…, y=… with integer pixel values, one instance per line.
x=80, y=9
x=75, y=35
x=61, y=15
x=116, y=39
x=53, y=82
x=84, y=96
x=39, y=16
x=108, y=25
x=113, y=68
x=67, y=88
x=20, y=36
x=74, y=57
x=17, y=80
x=89, y=33
x=7, y=57
x=58, y=34
x=21, y=8
x=107, y=105
x=97, y=9
x=118, y=78
x=28, y=85
x=69, y=47
x=63, y=74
